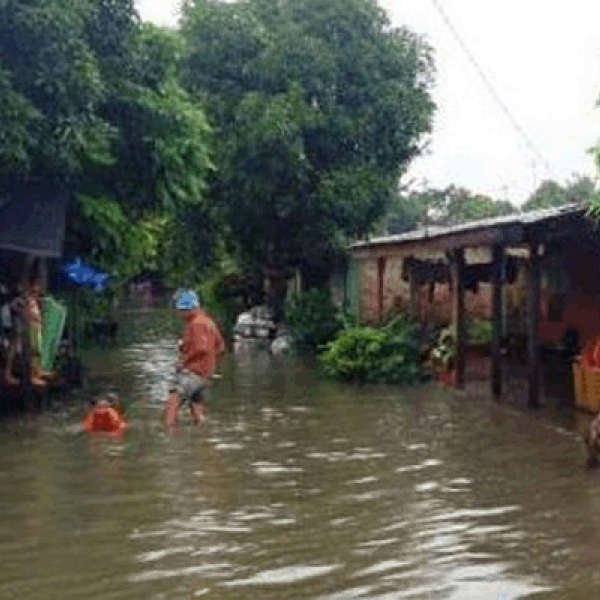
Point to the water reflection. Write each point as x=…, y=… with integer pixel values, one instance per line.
x=296, y=488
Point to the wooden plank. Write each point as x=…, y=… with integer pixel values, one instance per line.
x=457, y=268
x=533, y=321
x=498, y=264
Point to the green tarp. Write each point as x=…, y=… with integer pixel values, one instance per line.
x=54, y=317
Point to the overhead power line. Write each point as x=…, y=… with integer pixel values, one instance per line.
x=492, y=91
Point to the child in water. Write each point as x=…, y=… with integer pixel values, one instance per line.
x=105, y=416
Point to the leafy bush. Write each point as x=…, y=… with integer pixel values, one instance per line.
x=387, y=354
x=312, y=318
x=480, y=331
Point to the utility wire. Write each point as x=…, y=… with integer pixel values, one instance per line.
x=491, y=89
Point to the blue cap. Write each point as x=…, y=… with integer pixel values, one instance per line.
x=185, y=300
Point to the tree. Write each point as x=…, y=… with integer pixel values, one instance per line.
x=442, y=207
x=551, y=194
x=458, y=205
x=51, y=82
x=318, y=107
x=92, y=100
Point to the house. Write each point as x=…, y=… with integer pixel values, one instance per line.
x=538, y=270
x=32, y=232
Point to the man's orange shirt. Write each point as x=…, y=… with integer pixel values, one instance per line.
x=201, y=344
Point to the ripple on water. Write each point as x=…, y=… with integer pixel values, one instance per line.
x=427, y=486
x=160, y=554
x=432, y=462
x=374, y=513
x=340, y=456
x=229, y=446
x=217, y=570
x=285, y=575
x=364, y=480
x=267, y=468
x=382, y=567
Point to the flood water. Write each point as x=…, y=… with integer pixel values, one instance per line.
x=296, y=488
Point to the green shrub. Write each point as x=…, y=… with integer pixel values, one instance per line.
x=312, y=318
x=387, y=354
x=480, y=331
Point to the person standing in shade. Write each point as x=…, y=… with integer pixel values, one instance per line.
x=199, y=350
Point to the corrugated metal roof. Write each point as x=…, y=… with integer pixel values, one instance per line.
x=33, y=221
x=528, y=218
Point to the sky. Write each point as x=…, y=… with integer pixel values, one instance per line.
x=543, y=61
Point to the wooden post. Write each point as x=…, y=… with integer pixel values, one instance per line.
x=457, y=269
x=380, y=285
x=498, y=260
x=414, y=298
x=533, y=319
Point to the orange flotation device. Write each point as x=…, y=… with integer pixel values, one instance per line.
x=104, y=419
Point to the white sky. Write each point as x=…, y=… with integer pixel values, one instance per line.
x=543, y=59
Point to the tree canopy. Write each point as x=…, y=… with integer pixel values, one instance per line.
x=92, y=99
x=318, y=106
x=441, y=207
x=551, y=194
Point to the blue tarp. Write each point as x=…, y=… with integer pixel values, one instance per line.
x=81, y=274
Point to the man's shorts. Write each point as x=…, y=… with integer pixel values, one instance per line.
x=189, y=386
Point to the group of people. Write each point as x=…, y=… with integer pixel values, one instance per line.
x=27, y=308
x=199, y=350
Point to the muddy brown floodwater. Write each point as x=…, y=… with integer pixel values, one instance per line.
x=295, y=489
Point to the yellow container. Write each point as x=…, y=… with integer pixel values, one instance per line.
x=578, y=383
x=587, y=388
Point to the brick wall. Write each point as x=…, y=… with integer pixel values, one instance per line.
x=396, y=294
x=580, y=298
x=369, y=308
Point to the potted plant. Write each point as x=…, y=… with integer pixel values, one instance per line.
x=443, y=356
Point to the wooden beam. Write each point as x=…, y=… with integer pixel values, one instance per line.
x=533, y=321
x=457, y=268
x=380, y=286
x=498, y=263
x=414, y=299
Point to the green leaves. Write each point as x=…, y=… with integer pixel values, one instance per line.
x=311, y=317
x=551, y=194
x=43, y=45
x=19, y=121
x=93, y=98
x=317, y=107
x=122, y=245
x=374, y=355
x=441, y=207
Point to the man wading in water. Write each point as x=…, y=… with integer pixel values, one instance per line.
x=199, y=349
